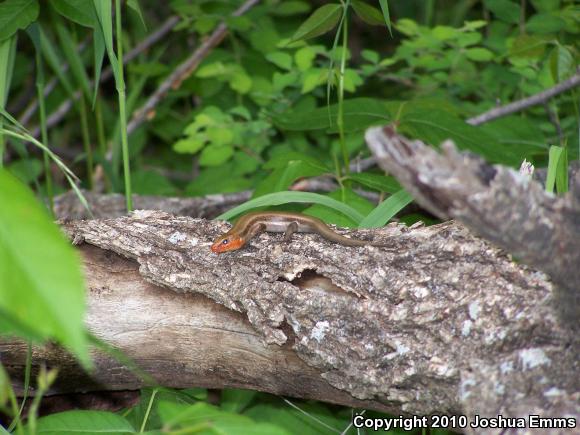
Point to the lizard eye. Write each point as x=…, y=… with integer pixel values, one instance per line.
x=225, y=241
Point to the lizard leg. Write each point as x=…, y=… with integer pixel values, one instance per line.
x=290, y=229
x=255, y=230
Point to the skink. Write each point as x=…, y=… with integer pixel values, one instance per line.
x=252, y=224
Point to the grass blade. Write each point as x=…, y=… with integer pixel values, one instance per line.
x=386, y=210
x=279, y=198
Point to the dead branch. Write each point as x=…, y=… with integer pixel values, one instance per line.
x=524, y=103
x=404, y=327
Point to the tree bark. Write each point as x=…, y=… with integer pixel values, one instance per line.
x=410, y=328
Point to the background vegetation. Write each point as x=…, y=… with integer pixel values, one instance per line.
x=89, y=100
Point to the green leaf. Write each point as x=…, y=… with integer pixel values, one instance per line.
x=553, y=163
x=240, y=82
x=518, y=134
x=562, y=172
x=290, y=7
x=236, y=400
x=386, y=210
x=16, y=14
x=98, y=56
x=53, y=59
x=381, y=183
x=280, y=198
x=545, y=23
x=505, y=10
x=331, y=216
x=359, y=113
x=280, y=59
x=304, y=58
x=41, y=284
x=26, y=170
x=527, y=47
x=80, y=11
x=134, y=4
x=479, y=54
x=7, y=57
x=73, y=57
x=215, y=155
x=433, y=127
x=151, y=183
x=103, y=9
x=386, y=15
x=369, y=14
x=322, y=20
x=83, y=422
x=282, y=178
x=546, y=5
x=562, y=63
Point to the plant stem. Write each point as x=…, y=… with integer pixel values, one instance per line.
x=44, y=132
x=340, y=115
x=122, y=109
x=86, y=140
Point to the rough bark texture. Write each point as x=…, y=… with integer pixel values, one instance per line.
x=496, y=202
x=537, y=228
x=407, y=327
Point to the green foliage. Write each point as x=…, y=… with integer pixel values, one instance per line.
x=37, y=260
x=284, y=98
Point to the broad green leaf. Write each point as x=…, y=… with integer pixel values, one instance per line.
x=546, y=5
x=83, y=422
x=280, y=59
x=518, y=134
x=562, y=172
x=313, y=78
x=386, y=15
x=322, y=20
x=16, y=14
x=26, y=170
x=41, y=284
x=528, y=47
x=369, y=14
x=291, y=7
x=381, y=183
x=479, y=54
x=240, y=82
x=359, y=113
x=545, y=23
x=562, y=63
x=305, y=57
x=214, y=155
x=433, y=127
x=386, y=210
x=407, y=27
x=505, y=10
x=80, y=11
x=151, y=183
x=282, y=178
x=280, y=198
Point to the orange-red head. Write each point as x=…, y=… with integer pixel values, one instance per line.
x=227, y=242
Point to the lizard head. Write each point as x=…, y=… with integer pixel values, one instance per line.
x=227, y=242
